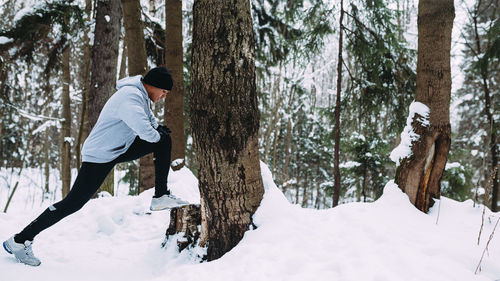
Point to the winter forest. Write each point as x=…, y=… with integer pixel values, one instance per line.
x=313, y=139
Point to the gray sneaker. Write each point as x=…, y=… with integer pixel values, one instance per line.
x=23, y=253
x=167, y=201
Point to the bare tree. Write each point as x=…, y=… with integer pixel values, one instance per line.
x=336, y=155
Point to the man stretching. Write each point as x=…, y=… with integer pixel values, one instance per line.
x=126, y=130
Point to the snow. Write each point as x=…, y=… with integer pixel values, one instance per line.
x=452, y=165
x=5, y=40
x=350, y=164
x=113, y=238
x=408, y=136
x=107, y=18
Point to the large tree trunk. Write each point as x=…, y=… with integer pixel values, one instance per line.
x=225, y=121
x=174, y=104
x=104, y=65
x=66, y=124
x=336, y=155
x=419, y=174
x=137, y=65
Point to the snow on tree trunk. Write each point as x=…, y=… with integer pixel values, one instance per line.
x=174, y=103
x=66, y=123
x=428, y=137
x=225, y=121
x=185, y=224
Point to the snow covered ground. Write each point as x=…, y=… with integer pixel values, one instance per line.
x=112, y=238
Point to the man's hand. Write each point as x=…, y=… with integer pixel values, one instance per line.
x=164, y=132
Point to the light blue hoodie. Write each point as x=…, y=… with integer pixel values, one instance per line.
x=124, y=116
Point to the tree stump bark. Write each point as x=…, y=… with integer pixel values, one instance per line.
x=185, y=226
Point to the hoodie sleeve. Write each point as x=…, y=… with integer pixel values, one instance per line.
x=154, y=121
x=133, y=114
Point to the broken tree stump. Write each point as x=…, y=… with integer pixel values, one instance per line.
x=185, y=226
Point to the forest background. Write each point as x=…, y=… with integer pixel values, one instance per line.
x=45, y=52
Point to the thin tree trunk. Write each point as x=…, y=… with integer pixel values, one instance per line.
x=419, y=175
x=83, y=129
x=336, y=169
x=66, y=124
x=287, y=153
x=304, y=192
x=225, y=121
x=46, y=152
x=174, y=103
x=491, y=120
x=288, y=142
x=104, y=65
x=137, y=64
x=277, y=98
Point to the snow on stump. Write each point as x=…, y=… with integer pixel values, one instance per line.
x=185, y=226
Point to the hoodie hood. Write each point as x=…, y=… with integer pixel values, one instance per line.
x=134, y=81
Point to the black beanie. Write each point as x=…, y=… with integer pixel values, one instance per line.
x=160, y=78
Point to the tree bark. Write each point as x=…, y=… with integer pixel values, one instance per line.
x=137, y=65
x=66, y=124
x=174, y=104
x=185, y=221
x=83, y=129
x=336, y=169
x=225, y=121
x=487, y=109
x=419, y=175
x=104, y=65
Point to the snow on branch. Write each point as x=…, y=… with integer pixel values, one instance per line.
x=50, y=121
x=44, y=126
x=408, y=136
x=34, y=117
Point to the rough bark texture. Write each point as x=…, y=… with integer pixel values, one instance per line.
x=225, y=121
x=104, y=64
x=83, y=129
x=419, y=175
x=174, y=103
x=137, y=64
x=336, y=156
x=186, y=221
x=66, y=124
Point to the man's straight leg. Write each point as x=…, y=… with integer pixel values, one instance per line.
x=89, y=179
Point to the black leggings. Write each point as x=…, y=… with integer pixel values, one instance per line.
x=92, y=175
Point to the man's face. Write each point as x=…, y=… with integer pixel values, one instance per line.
x=156, y=94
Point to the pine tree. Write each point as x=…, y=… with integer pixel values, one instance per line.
x=419, y=175
x=225, y=121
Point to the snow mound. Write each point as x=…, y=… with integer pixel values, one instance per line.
x=114, y=238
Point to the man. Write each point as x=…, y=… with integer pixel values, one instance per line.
x=126, y=130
